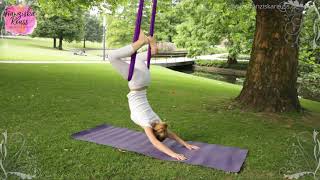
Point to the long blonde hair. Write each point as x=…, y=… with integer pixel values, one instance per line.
x=160, y=130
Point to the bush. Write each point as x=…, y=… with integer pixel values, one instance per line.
x=309, y=74
x=309, y=85
x=239, y=57
x=305, y=67
x=217, y=50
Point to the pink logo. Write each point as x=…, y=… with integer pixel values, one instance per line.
x=20, y=20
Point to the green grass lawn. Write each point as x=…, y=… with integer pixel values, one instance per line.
x=27, y=48
x=47, y=103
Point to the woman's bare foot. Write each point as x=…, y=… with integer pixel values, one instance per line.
x=153, y=45
x=143, y=39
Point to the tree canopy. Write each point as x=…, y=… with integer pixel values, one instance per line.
x=192, y=24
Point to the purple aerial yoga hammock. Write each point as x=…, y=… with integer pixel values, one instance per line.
x=152, y=23
x=137, y=33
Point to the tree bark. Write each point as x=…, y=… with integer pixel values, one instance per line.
x=54, y=42
x=60, y=42
x=271, y=77
x=84, y=42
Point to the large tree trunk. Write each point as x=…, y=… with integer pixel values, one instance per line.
x=271, y=77
x=54, y=42
x=60, y=42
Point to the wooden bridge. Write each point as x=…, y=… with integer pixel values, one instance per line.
x=165, y=59
x=172, y=59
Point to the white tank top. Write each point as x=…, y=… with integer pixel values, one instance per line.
x=141, y=111
x=140, y=78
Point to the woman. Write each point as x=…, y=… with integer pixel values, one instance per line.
x=141, y=112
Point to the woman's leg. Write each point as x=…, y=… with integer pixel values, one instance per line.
x=115, y=58
x=142, y=56
x=141, y=60
x=122, y=52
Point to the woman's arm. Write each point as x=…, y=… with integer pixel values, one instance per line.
x=160, y=146
x=175, y=137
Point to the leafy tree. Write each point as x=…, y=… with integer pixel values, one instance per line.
x=67, y=28
x=310, y=39
x=64, y=19
x=121, y=23
x=209, y=22
x=2, y=8
x=66, y=8
x=93, y=30
x=45, y=27
x=271, y=79
x=167, y=20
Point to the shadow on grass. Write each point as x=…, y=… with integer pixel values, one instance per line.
x=45, y=47
x=290, y=120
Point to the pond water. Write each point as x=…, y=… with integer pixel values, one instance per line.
x=226, y=78
x=230, y=79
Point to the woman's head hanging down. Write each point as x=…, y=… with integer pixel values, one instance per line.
x=141, y=112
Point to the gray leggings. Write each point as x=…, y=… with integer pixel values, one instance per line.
x=141, y=75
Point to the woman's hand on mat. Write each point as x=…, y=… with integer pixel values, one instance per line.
x=191, y=147
x=179, y=157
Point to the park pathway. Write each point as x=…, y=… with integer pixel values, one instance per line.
x=154, y=61
x=53, y=62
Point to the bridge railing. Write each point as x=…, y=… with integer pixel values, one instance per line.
x=173, y=54
x=164, y=56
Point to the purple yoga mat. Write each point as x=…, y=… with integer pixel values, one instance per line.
x=224, y=158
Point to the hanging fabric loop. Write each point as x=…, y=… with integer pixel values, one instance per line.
x=152, y=24
x=137, y=33
x=135, y=37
